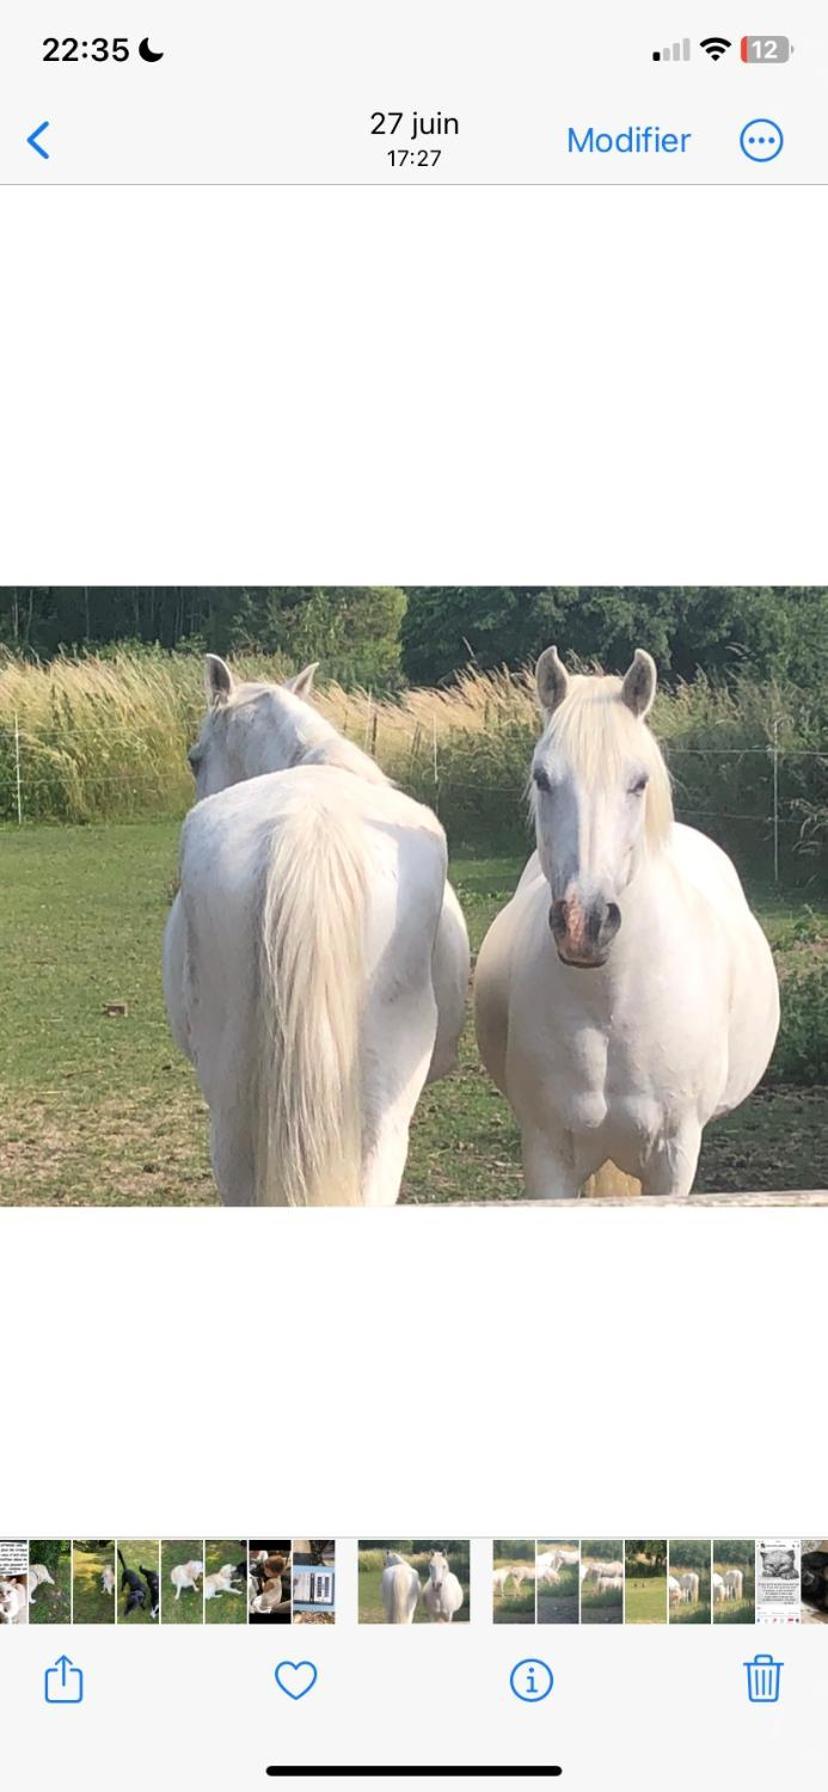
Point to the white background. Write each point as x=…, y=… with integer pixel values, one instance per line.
x=470, y=387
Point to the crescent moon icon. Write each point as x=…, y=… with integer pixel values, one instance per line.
x=146, y=54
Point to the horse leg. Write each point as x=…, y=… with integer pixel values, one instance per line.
x=450, y=966
x=231, y=1151
x=398, y=1043
x=548, y=1169
x=384, y=1161
x=671, y=1166
x=175, y=972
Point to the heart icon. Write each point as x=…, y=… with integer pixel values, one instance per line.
x=295, y=1677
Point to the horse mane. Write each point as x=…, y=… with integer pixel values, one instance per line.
x=332, y=748
x=315, y=739
x=598, y=734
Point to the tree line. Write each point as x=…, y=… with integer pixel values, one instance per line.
x=384, y=636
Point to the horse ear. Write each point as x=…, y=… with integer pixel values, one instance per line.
x=639, y=687
x=218, y=679
x=302, y=682
x=552, y=680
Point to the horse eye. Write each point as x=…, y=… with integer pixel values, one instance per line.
x=541, y=778
x=640, y=784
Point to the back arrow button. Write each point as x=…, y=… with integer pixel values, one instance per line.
x=33, y=140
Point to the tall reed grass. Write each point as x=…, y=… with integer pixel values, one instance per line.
x=106, y=739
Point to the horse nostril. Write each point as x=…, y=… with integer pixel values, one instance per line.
x=613, y=920
x=557, y=919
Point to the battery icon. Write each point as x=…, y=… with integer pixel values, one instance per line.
x=766, y=49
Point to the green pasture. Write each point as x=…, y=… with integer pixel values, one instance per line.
x=645, y=1599
x=91, y=1605
x=734, y=1611
x=52, y=1604
x=187, y=1608
x=99, y=1107
x=516, y=1604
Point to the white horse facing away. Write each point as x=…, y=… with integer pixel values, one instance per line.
x=443, y=1593
x=626, y=995
x=689, y=1582
x=734, y=1583
x=400, y=1590
x=316, y=961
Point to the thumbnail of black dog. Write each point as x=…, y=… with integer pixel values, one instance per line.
x=132, y=1585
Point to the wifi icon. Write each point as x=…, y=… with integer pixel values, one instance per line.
x=715, y=47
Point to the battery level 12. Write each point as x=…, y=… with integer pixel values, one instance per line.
x=766, y=49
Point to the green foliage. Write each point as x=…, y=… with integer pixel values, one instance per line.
x=773, y=632
x=513, y=1549
x=355, y=629
x=801, y=1054
x=647, y=1557
x=600, y=1550
x=691, y=1554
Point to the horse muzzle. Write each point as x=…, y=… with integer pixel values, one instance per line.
x=583, y=936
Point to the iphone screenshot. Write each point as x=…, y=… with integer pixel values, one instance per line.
x=413, y=895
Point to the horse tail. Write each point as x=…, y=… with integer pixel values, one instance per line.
x=400, y=1591
x=308, y=1107
x=609, y=1180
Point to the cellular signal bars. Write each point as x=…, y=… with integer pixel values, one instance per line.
x=679, y=52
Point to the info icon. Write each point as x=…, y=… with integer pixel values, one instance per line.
x=531, y=1680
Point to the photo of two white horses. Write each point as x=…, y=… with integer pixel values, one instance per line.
x=316, y=960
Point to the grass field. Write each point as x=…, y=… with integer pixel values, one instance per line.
x=737, y=1611
x=734, y=1611
x=516, y=1604
x=645, y=1599
x=91, y=1605
x=227, y=1608
x=52, y=1604
x=698, y=1613
x=188, y=1608
x=100, y=1108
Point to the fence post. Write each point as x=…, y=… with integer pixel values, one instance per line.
x=17, y=777
x=776, y=799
